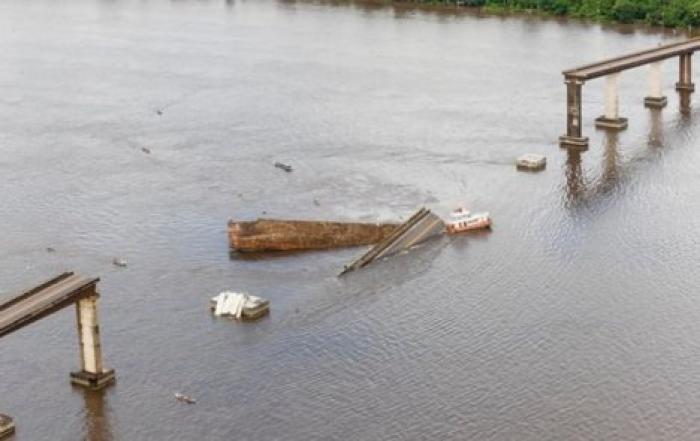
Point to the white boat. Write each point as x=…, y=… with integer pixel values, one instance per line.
x=467, y=222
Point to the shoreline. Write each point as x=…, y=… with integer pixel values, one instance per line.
x=513, y=12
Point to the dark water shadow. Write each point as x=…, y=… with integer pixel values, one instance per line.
x=575, y=179
x=615, y=170
x=582, y=192
x=254, y=256
x=97, y=426
x=656, y=133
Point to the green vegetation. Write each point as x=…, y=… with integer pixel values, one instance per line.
x=670, y=13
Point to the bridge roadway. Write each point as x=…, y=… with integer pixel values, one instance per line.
x=632, y=60
x=45, y=299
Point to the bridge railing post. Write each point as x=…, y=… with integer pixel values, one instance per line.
x=611, y=119
x=573, y=137
x=92, y=373
x=656, y=98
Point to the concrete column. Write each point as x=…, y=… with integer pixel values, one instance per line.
x=573, y=137
x=7, y=426
x=685, y=73
x=656, y=99
x=611, y=119
x=684, y=100
x=92, y=374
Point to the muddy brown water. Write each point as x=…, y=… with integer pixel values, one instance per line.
x=577, y=317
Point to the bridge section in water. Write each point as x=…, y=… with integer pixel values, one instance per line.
x=611, y=68
x=50, y=297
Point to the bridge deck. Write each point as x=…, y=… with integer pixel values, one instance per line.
x=635, y=59
x=45, y=299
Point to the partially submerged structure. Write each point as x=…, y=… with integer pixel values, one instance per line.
x=531, y=162
x=239, y=305
x=47, y=298
x=54, y=295
x=293, y=235
x=421, y=226
x=7, y=426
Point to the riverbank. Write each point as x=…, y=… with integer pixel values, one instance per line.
x=678, y=14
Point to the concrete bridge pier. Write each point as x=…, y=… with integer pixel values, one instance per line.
x=92, y=374
x=656, y=99
x=685, y=74
x=611, y=119
x=573, y=137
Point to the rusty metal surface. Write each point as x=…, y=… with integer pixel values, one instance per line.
x=419, y=227
x=292, y=235
x=43, y=300
x=634, y=59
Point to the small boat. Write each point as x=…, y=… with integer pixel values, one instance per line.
x=239, y=305
x=463, y=220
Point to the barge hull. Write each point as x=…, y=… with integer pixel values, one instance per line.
x=293, y=235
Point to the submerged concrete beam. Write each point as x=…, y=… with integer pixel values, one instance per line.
x=611, y=119
x=92, y=374
x=418, y=228
x=656, y=98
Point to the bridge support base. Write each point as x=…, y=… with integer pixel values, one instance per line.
x=685, y=87
x=93, y=381
x=655, y=102
x=574, y=142
x=603, y=122
x=7, y=426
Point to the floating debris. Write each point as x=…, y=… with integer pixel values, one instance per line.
x=7, y=426
x=293, y=235
x=531, y=162
x=462, y=220
x=146, y=150
x=122, y=263
x=285, y=167
x=185, y=398
x=239, y=305
x=418, y=228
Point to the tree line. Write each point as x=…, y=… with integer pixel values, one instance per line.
x=670, y=13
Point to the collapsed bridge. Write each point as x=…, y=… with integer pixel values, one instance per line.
x=52, y=296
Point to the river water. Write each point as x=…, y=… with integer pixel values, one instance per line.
x=577, y=317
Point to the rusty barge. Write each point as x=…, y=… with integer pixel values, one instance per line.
x=297, y=235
